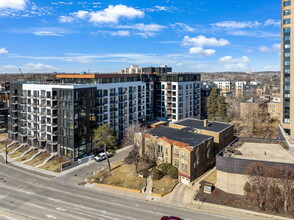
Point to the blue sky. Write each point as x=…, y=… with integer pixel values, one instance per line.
x=106, y=36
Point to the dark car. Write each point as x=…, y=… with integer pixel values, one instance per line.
x=171, y=218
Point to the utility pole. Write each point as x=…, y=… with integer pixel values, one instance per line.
x=6, y=152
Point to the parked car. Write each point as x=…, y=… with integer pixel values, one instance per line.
x=102, y=156
x=171, y=218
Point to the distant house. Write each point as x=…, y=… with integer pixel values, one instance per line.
x=190, y=152
x=222, y=133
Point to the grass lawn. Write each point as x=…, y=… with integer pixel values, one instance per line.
x=27, y=156
x=211, y=178
x=122, y=176
x=54, y=164
x=38, y=159
x=19, y=152
x=164, y=185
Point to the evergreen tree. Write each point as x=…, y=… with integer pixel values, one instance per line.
x=221, y=114
x=212, y=105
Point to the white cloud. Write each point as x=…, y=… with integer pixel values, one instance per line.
x=29, y=68
x=182, y=27
x=271, y=22
x=47, y=33
x=161, y=8
x=235, y=64
x=3, y=50
x=13, y=4
x=265, y=49
x=237, y=25
x=202, y=41
x=201, y=51
x=113, y=13
x=121, y=33
x=257, y=33
x=143, y=27
x=66, y=19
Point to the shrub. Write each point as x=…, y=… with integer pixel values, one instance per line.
x=156, y=174
x=168, y=169
x=172, y=172
x=144, y=173
x=163, y=167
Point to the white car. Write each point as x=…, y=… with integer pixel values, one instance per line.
x=102, y=156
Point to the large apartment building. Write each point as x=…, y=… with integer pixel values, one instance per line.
x=60, y=115
x=287, y=66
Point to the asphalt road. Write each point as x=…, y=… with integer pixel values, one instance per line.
x=37, y=197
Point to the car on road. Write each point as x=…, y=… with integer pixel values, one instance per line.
x=171, y=218
x=102, y=156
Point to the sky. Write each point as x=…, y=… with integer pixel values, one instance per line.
x=107, y=36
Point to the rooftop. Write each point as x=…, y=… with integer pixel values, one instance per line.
x=190, y=138
x=264, y=152
x=199, y=124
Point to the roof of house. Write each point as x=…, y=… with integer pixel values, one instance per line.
x=190, y=138
x=199, y=124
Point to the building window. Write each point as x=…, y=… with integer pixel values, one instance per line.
x=287, y=30
x=287, y=62
x=176, y=152
x=287, y=38
x=287, y=12
x=287, y=21
x=176, y=163
x=287, y=3
x=287, y=54
x=287, y=46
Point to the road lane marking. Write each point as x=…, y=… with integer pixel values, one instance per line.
x=60, y=209
x=51, y=217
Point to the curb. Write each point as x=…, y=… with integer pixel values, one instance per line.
x=118, y=187
x=228, y=208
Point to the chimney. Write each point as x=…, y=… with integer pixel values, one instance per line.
x=205, y=123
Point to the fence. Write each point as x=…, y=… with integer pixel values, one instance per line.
x=69, y=165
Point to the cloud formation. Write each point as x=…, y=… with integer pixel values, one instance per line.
x=237, y=24
x=29, y=68
x=201, y=51
x=3, y=50
x=202, y=41
x=265, y=49
x=112, y=14
x=235, y=64
x=13, y=4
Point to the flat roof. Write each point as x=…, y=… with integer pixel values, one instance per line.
x=93, y=76
x=190, y=138
x=264, y=152
x=199, y=124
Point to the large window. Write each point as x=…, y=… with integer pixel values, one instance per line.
x=287, y=12
x=287, y=21
x=287, y=3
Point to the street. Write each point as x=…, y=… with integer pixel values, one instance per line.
x=37, y=197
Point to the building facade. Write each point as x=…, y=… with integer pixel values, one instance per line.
x=287, y=67
x=191, y=153
x=60, y=115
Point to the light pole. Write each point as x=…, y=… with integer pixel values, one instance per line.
x=6, y=152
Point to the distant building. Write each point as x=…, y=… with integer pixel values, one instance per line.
x=156, y=70
x=223, y=133
x=274, y=106
x=134, y=69
x=190, y=152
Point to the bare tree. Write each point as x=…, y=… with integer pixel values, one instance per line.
x=260, y=182
x=152, y=150
x=134, y=136
x=285, y=179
